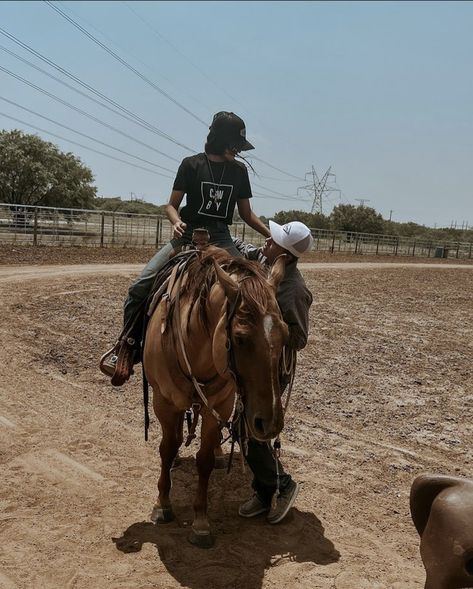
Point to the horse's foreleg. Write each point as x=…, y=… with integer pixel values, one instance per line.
x=171, y=425
x=220, y=460
x=209, y=448
x=205, y=459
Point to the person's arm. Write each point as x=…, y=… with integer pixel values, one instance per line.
x=172, y=212
x=250, y=251
x=294, y=301
x=246, y=213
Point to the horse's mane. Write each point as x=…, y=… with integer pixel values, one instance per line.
x=251, y=278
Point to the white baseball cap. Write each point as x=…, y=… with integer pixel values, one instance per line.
x=295, y=237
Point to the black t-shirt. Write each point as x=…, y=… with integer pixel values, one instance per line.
x=211, y=195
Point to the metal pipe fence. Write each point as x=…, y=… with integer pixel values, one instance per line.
x=49, y=226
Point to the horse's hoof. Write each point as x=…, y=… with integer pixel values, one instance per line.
x=161, y=515
x=201, y=540
x=220, y=463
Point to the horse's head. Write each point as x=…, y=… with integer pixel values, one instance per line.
x=257, y=334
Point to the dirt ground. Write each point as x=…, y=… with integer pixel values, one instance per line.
x=17, y=255
x=384, y=391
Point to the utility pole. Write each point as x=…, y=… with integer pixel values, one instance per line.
x=362, y=201
x=390, y=214
x=319, y=188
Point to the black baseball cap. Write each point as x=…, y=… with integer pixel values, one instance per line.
x=230, y=128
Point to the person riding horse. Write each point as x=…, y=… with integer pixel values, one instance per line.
x=213, y=183
x=294, y=299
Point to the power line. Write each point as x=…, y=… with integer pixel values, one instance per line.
x=270, y=190
x=118, y=46
x=135, y=118
x=271, y=196
x=286, y=198
x=83, y=146
x=145, y=79
x=85, y=135
x=264, y=177
x=75, y=108
x=258, y=159
x=177, y=50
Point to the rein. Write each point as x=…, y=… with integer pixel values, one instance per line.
x=288, y=369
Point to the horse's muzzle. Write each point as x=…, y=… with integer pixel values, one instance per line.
x=266, y=429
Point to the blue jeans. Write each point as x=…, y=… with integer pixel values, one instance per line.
x=140, y=289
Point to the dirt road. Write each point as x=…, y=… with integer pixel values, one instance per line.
x=21, y=273
x=384, y=391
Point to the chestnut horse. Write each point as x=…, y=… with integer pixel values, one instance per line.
x=220, y=302
x=442, y=512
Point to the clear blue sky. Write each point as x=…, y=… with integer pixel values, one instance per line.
x=380, y=91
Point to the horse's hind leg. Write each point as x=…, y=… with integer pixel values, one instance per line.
x=171, y=424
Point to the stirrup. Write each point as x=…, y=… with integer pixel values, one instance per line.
x=108, y=362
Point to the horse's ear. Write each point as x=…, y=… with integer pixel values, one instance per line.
x=277, y=271
x=229, y=286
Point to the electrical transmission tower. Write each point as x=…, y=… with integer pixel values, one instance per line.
x=319, y=188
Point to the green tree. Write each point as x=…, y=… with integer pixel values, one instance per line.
x=116, y=204
x=312, y=220
x=357, y=219
x=36, y=172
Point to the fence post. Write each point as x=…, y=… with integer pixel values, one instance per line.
x=243, y=232
x=414, y=249
x=430, y=247
x=158, y=226
x=469, y=255
x=35, y=227
x=356, y=245
x=458, y=249
x=377, y=246
x=102, y=230
x=333, y=243
x=397, y=245
x=113, y=228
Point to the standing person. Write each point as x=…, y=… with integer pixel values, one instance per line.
x=294, y=299
x=213, y=183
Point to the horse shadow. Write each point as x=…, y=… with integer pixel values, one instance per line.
x=244, y=548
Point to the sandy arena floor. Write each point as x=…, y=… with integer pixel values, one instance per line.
x=384, y=391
